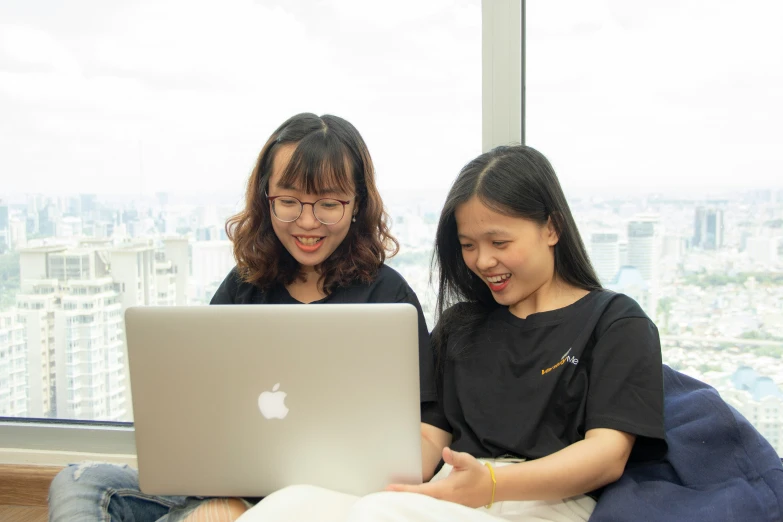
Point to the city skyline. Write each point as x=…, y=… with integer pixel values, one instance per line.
x=709, y=273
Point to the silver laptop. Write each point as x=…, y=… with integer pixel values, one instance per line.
x=244, y=400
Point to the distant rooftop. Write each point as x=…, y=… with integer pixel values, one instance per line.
x=89, y=282
x=132, y=247
x=44, y=249
x=628, y=276
x=76, y=251
x=100, y=241
x=747, y=379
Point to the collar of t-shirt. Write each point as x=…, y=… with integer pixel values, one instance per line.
x=284, y=297
x=545, y=318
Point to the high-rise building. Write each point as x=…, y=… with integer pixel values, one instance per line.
x=73, y=319
x=88, y=204
x=38, y=300
x=17, y=230
x=708, y=228
x=623, y=248
x=133, y=267
x=629, y=281
x=5, y=227
x=644, y=246
x=36, y=304
x=177, y=251
x=34, y=261
x=210, y=233
x=212, y=261
x=5, y=216
x=31, y=223
x=77, y=263
x=47, y=219
x=34, y=203
x=165, y=280
x=605, y=254
x=68, y=226
x=71, y=307
x=99, y=229
x=90, y=360
x=763, y=250
x=673, y=246
x=13, y=367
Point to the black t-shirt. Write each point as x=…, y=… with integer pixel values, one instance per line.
x=387, y=287
x=531, y=387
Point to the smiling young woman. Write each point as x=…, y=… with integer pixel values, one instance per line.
x=313, y=230
x=546, y=384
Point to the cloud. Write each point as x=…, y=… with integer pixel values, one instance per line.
x=680, y=94
x=231, y=43
x=34, y=48
x=198, y=86
x=197, y=89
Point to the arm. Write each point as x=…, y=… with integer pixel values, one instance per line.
x=624, y=402
x=579, y=468
x=582, y=467
x=433, y=440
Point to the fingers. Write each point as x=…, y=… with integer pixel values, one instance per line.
x=457, y=459
x=448, y=456
x=402, y=487
x=429, y=489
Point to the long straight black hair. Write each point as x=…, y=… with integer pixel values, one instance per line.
x=516, y=181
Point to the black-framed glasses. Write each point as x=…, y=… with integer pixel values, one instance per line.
x=288, y=208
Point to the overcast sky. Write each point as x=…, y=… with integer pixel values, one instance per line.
x=685, y=94
x=134, y=96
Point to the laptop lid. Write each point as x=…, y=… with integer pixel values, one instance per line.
x=244, y=400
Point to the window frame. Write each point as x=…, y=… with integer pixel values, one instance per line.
x=59, y=442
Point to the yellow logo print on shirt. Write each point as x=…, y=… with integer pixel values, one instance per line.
x=564, y=359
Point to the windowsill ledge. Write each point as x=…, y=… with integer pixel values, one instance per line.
x=30, y=457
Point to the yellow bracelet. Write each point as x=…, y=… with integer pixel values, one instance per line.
x=494, y=484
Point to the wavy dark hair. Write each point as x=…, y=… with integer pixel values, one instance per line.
x=516, y=181
x=330, y=153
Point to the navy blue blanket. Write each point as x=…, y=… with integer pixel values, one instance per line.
x=718, y=468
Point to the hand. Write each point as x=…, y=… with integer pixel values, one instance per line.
x=469, y=482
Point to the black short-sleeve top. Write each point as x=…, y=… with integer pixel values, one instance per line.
x=531, y=387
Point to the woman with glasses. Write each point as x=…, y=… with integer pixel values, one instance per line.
x=313, y=230
x=547, y=385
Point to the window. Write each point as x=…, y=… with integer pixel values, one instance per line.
x=159, y=107
x=663, y=130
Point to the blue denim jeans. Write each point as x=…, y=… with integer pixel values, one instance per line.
x=94, y=491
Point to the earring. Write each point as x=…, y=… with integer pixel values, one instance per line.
x=353, y=219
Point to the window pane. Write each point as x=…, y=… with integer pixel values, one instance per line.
x=662, y=121
x=127, y=136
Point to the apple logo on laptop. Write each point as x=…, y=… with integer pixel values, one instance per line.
x=271, y=404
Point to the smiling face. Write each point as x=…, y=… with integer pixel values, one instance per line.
x=308, y=240
x=513, y=256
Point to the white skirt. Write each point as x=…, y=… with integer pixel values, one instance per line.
x=314, y=504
